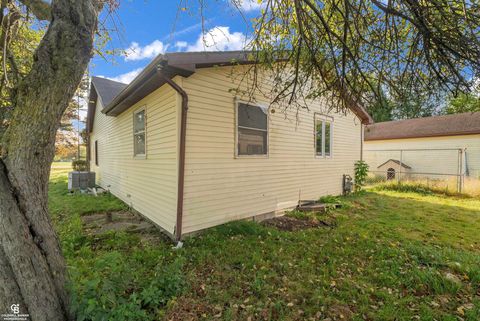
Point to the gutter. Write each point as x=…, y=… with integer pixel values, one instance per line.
x=136, y=83
x=362, y=138
x=465, y=133
x=181, y=161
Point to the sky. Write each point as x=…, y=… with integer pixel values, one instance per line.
x=142, y=29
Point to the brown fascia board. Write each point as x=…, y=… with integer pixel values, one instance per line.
x=145, y=83
x=473, y=132
x=361, y=113
x=209, y=59
x=92, y=105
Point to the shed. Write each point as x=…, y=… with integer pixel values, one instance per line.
x=392, y=167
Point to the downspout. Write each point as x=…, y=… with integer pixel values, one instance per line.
x=88, y=151
x=362, y=137
x=181, y=161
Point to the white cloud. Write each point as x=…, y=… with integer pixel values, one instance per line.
x=136, y=52
x=126, y=78
x=250, y=5
x=219, y=39
x=181, y=44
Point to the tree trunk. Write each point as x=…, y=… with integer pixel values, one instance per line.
x=32, y=268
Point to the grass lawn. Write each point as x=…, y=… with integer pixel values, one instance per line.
x=392, y=256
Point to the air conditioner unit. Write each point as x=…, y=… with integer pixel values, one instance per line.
x=81, y=180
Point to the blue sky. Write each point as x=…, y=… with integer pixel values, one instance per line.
x=146, y=28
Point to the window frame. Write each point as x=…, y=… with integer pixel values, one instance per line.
x=251, y=104
x=324, y=119
x=96, y=152
x=139, y=110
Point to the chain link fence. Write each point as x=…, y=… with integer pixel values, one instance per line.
x=436, y=169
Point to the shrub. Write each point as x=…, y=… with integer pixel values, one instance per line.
x=80, y=165
x=361, y=173
x=112, y=289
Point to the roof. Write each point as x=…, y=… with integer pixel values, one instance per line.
x=396, y=161
x=107, y=89
x=446, y=125
x=170, y=65
x=118, y=97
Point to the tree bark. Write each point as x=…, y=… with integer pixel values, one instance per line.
x=31, y=263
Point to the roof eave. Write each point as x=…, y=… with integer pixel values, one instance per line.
x=145, y=83
x=92, y=104
x=363, y=115
x=425, y=136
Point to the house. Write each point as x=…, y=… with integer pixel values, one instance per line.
x=438, y=146
x=187, y=152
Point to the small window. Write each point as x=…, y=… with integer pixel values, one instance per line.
x=323, y=136
x=96, y=152
x=139, y=142
x=252, y=130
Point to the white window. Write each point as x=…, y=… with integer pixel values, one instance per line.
x=252, y=130
x=139, y=139
x=323, y=136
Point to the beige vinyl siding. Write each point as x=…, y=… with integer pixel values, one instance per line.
x=430, y=161
x=220, y=187
x=148, y=184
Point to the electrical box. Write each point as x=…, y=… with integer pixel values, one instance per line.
x=347, y=184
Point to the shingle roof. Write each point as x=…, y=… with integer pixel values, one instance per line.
x=446, y=125
x=396, y=161
x=107, y=89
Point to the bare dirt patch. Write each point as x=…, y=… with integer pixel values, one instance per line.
x=122, y=221
x=187, y=309
x=340, y=312
x=287, y=223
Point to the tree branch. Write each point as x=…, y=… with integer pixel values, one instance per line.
x=41, y=9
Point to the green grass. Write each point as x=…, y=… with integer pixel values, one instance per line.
x=391, y=257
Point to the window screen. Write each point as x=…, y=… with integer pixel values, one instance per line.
x=319, y=137
x=252, y=130
x=139, y=148
x=328, y=138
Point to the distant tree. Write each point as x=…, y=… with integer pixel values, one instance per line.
x=416, y=103
x=404, y=106
x=463, y=103
x=69, y=140
x=381, y=110
x=66, y=145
